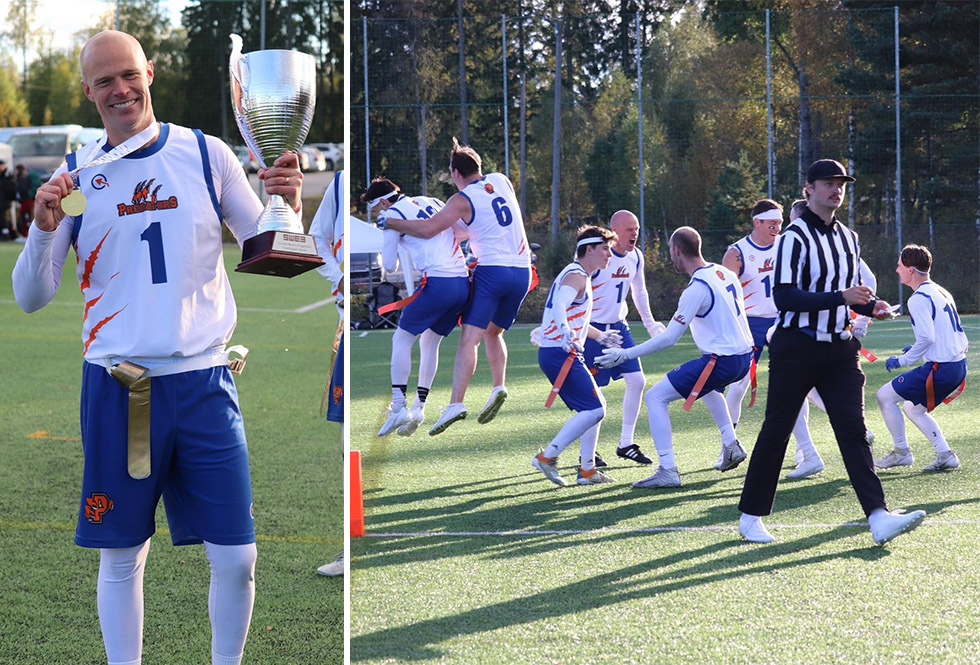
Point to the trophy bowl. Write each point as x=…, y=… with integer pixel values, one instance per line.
x=273, y=93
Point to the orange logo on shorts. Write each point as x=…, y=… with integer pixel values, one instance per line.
x=338, y=394
x=96, y=506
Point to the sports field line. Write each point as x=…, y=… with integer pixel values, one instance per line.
x=652, y=529
x=299, y=310
x=262, y=538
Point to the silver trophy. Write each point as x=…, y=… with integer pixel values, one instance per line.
x=273, y=93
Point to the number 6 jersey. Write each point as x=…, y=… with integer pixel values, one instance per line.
x=496, y=225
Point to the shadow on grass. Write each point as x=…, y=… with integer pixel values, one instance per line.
x=717, y=562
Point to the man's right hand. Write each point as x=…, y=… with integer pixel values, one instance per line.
x=857, y=295
x=47, y=202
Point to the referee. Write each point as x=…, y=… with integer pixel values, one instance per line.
x=817, y=283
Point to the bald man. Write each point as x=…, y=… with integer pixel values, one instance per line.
x=164, y=420
x=610, y=287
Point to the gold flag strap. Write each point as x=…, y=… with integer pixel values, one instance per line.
x=237, y=365
x=132, y=376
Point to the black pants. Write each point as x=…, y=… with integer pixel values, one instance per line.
x=797, y=363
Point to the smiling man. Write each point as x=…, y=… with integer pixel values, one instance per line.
x=158, y=313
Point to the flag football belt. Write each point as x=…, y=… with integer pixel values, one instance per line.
x=534, y=273
x=752, y=381
x=136, y=378
x=931, y=390
x=699, y=384
x=404, y=302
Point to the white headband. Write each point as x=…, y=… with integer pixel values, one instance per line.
x=374, y=202
x=768, y=215
x=589, y=241
x=921, y=272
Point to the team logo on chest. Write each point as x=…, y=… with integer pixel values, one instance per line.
x=621, y=273
x=146, y=196
x=767, y=266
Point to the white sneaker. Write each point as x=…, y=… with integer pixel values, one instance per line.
x=798, y=457
x=549, y=467
x=396, y=418
x=334, y=568
x=720, y=462
x=895, y=457
x=597, y=477
x=810, y=466
x=417, y=415
x=732, y=456
x=887, y=525
x=946, y=461
x=662, y=478
x=452, y=413
x=753, y=530
x=490, y=409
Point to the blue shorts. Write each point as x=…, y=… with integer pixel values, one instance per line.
x=593, y=349
x=438, y=306
x=579, y=391
x=759, y=327
x=335, y=400
x=728, y=369
x=912, y=384
x=497, y=296
x=199, y=462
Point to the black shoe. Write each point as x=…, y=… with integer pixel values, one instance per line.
x=598, y=461
x=633, y=452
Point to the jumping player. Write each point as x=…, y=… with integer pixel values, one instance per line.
x=488, y=206
x=564, y=328
x=436, y=304
x=610, y=286
x=941, y=342
x=713, y=306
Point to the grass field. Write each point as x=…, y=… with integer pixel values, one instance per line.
x=48, y=611
x=471, y=556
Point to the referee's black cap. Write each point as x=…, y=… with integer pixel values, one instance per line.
x=825, y=169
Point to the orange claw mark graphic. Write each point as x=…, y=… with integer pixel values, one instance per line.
x=90, y=303
x=90, y=263
x=97, y=327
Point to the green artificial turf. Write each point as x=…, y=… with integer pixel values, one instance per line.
x=471, y=556
x=48, y=611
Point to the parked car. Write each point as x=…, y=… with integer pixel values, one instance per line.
x=247, y=159
x=43, y=149
x=317, y=161
x=333, y=154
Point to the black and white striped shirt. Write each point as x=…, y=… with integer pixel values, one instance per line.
x=821, y=260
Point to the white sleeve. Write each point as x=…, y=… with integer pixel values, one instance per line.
x=695, y=299
x=563, y=300
x=37, y=273
x=323, y=229
x=389, y=250
x=638, y=290
x=920, y=309
x=867, y=277
x=240, y=205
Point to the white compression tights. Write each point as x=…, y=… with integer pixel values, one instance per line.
x=583, y=425
x=631, y=406
x=657, y=399
x=230, y=599
x=401, y=356
x=889, y=401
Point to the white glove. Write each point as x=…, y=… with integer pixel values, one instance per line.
x=655, y=328
x=610, y=338
x=536, y=336
x=611, y=358
x=568, y=341
x=860, y=327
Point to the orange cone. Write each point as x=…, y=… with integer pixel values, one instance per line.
x=356, y=496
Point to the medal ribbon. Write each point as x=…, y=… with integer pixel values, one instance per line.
x=133, y=143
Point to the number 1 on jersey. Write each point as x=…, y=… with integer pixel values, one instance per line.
x=154, y=239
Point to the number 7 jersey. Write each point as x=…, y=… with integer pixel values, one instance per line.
x=496, y=225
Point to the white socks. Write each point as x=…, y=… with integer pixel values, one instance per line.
x=429, y=342
x=734, y=395
x=801, y=430
x=631, y=406
x=587, y=447
x=230, y=599
x=718, y=408
x=888, y=402
x=576, y=427
x=120, y=602
x=657, y=399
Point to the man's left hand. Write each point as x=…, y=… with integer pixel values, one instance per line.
x=892, y=363
x=285, y=179
x=611, y=357
x=883, y=311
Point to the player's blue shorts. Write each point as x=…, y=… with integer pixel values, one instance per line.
x=728, y=369
x=437, y=306
x=579, y=391
x=759, y=326
x=593, y=349
x=199, y=462
x=498, y=292
x=335, y=400
x=912, y=384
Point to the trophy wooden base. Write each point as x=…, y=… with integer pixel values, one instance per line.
x=280, y=254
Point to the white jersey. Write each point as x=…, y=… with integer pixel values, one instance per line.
x=496, y=225
x=713, y=305
x=939, y=335
x=438, y=256
x=611, y=284
x=149, y=249
x=758, y=264
x=327, y=228
x=578, y=313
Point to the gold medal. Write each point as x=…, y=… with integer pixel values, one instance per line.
x=74, y=204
